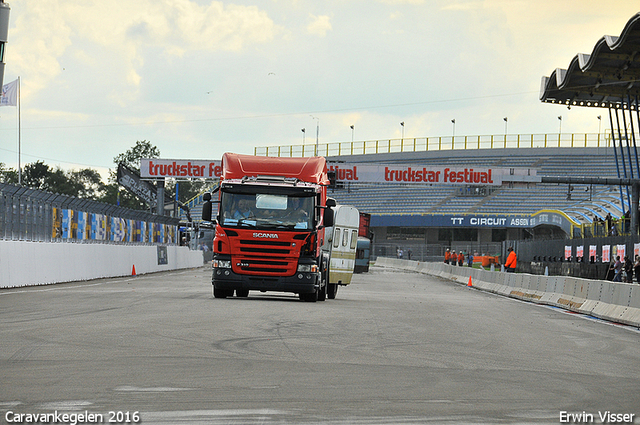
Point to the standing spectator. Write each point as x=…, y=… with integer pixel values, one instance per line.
x=617, y=269
x=628, y=269
x=447, y=256
x=510, y=264
x=636, y=268
x=461, y=259
x=470, y=259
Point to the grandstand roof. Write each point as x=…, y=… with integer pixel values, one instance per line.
x=609, y=76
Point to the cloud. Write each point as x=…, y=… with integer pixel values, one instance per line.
x=45, y=31
x=401, y=2
x=319, y=25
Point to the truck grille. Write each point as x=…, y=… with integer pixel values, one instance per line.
x=265, y=257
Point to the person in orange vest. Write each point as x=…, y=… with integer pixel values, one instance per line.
x=510, y=264
x=461, y=259
x=447, y=256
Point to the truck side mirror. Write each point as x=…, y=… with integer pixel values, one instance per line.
x=206, y=211
x=328, y=217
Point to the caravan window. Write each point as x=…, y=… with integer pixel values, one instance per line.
x=345, y=237
x=354, y=239
x=336, y=238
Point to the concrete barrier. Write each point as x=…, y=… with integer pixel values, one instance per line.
x=40, y=263
x=613, y=301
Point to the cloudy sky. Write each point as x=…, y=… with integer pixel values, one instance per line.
x=198, y=78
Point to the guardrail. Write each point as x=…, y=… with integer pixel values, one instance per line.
x=613, y=301
x=421, y=144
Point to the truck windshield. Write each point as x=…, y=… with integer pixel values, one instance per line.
x=267, y=211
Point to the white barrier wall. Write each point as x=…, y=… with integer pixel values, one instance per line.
x=614, y=301
x=40, y=263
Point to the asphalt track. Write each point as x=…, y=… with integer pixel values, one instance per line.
x=392, y=348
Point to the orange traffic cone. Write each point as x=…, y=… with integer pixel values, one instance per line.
x=133, y=270
x=469, y=284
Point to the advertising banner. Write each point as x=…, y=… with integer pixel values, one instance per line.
x=606, y=253
x=180, y=168
x=452, y=220
x=153, y=168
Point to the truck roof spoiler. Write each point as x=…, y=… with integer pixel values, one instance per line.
x=271, y=179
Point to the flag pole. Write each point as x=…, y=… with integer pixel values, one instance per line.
x=19, y=138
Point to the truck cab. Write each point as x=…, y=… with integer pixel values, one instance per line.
x=270, y=227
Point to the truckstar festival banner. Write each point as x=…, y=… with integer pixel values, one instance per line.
x=381, y=173
x=155, y=168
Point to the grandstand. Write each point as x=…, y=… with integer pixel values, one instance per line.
x=394, y=199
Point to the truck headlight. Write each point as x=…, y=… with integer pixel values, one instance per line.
x=307, y=268
x=222, y=264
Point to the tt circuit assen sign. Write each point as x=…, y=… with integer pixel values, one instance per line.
x=453, y=220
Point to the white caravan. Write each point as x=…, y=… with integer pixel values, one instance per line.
x=341, y=241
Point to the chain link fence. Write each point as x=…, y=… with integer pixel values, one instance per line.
x=39, y=216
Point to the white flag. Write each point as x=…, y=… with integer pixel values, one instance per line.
x=9, y=94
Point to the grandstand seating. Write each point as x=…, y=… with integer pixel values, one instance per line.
x=508, y=199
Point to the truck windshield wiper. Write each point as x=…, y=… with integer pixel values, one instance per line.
x=246, y=222
x=276, y=226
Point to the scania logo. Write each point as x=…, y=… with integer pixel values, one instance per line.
x=265, y=235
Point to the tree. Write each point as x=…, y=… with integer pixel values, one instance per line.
x=8, y=175
x=89, y=183
x=85, y=183
x=131, y=158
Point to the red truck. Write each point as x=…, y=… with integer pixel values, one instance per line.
x=270, y=226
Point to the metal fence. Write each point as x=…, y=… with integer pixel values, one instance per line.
x=431, y=252
x=421, y=144
x=35, y=215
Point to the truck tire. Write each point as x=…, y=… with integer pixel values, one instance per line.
x=310, y=298
x=221, y=293
x=322, y=291
x=332, y=290
x=324, y=278
x=242, y=293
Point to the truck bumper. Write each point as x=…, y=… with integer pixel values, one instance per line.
x=299, y=283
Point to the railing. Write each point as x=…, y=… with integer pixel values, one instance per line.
x=505, y=141
x=35, y=215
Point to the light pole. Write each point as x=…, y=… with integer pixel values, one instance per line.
x=317, y=131
x=453, y=121
x=402, y=125
x=560, y=129
x=506, y=121
x=352, y=130
x=304, y=136
x=599, y=125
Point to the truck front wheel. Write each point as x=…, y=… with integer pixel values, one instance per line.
x=221, y=293
x=310, y=298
